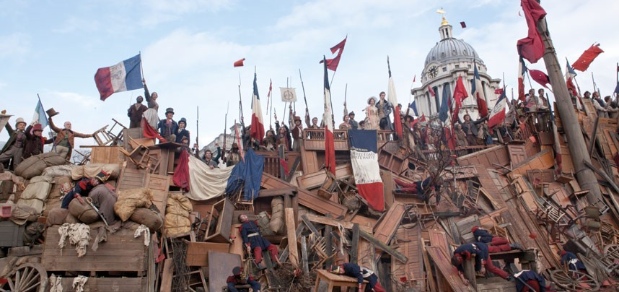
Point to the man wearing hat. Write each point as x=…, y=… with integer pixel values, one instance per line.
x=65, y=138
x=168, y=127
x=104, y=198
x=83, y=189
x=353, y=124
x=237, y=279
x=361, y=273
x=234, y=156
x=478, y=251
x=297, y=134
x=34, y=141
x=182, y=131
x=14, y=148
x=253, y=240
x=135, y=112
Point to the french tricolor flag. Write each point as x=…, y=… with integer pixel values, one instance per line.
x=256, y=130
x=123, y=76
x=328, y=118
x=364, y=161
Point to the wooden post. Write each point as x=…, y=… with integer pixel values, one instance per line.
x=281, y=154
x=328, y=245
x=304, y=263
x=354, y=248
x=576, y=141
x=593, y=136
x=293, y=252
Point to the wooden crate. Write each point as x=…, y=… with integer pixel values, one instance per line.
x=120, y=253
x=11, y=234
x=197, y=252
x=222, y=212
x=106, y=154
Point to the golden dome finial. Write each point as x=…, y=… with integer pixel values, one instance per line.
x=442, y=13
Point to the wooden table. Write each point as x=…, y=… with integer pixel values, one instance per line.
x=334, y=280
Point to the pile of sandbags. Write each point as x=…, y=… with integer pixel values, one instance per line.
x=34, y=165
x=60, y=185
x=177, y=213
x=35, y=194
x=148, y=217
x=59, y=170
x=129, y=200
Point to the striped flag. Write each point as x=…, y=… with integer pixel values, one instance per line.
x=397, y=119
x=39, y=115
x=364, y=161
x=497, y=115
x=328, y=119
x=478, y=92
x=256, y=130
x=522, y=69
x=123, y=76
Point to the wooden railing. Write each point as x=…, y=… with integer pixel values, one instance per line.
x=272, y=162
x=314, y=139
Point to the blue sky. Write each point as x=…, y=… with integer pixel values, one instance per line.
x=53, y=48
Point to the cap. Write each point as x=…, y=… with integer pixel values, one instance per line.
x=102, y=176
x=236, y=271
x=37, y=127
x=169, y=110
x=474, y=228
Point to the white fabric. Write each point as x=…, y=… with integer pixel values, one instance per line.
x=78, y=234
x=151, y=117
x=92, y=169
x=55, y=283
x=365, y=166
x=79, y=282
x=206, y=183
x=59, y=170
x=36, y=193
x=143, y=229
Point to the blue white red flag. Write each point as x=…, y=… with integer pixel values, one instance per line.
x=364, y=160
x=39, y=115
x=123, y=76
x=497, y=115
x=256, y=130
x=328, y=118
x=522, y=69
x=413, y=106
x=478, y=92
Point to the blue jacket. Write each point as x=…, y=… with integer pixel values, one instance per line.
x=482, y=235
x=526, y=275
x=572, y=261
x=479, y=249
x=248, y=229
x=163, y=128
x=355, y=271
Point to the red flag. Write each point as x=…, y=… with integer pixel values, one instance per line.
x=459, y=95
x=149, y=132
x=339, y=48
x=482, y=106
x=328, y=119
x=498, y=91
x=539, y=77
x=431, y=91
x=420, y=119
x=587, y=57
x=463, y=24
x=478, y=92
x=256, y=130
x=532, y=47
x=239, y=63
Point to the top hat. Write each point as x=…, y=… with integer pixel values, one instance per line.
x=183, y=120
x=37, y=127
x=169, y=110
x=351, y=113
x=297, y=118
x=51, y=112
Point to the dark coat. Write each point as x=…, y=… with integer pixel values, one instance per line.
x=12, y=138
x=33, y=144
x=526, y=275
x=163, y=128
x=479, y=249
x=248, y=228
x=135, y=114
x=482, y=235
x=182, y=133
x=572, y=261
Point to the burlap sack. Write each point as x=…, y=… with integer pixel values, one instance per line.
x=35, y=194
x=277, y=215
x=150, y=218
x=57, y=185
x=70, y=219
x=21, y=214
x=34, y=165
x=51, y=205
x=57, y=216
x=92, y=169
x=177, y=215
x=129, y=200
x=59, y=170
x=83, y=212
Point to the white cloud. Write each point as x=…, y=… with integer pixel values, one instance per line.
x=14, y=45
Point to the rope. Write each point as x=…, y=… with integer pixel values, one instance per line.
x=143, y=229
x=79, y=282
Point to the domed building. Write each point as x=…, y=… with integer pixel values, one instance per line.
x=449, y=59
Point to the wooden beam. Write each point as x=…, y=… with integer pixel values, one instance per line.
x=328, y=245
x=378, y=244
x=277, y=192
x=284, y=255
x=388, y=224
x=304, y=261
x=335, y=223
x=292, y=237
x=166, y=275
x=354, y=248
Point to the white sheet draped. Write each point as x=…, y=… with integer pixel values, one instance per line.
x=206, y=183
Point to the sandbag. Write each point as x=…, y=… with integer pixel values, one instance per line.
x=59, y=170
x=129, y=200
x=277, y=215
x=92, y=169
x=177, y=221
x=83, y=212
x=21, y=214
x=51, y=204
x=56, y=216
x=263, y=223
x=150, y=218
x=34, y=165
x=70, y=219
x=58, y=183
x=36, y=193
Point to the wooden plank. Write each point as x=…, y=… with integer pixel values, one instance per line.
x=354, y=247
x=438, y=239
x=167, y=275
x=112, y=255
x=314, y=180
x=378, y=244
x=197, y=252
x=542, y=160
x=124, y=284
x=236, y=247
x=304, y=260
x=491, y=157
x=305, y=197
x=217, y=274
x=106, y=154
x=159, y=186
x=517, y=153
x=388, y=224
x=131, y=178
x=443, y=263
x=388, y=187
x=293, y=252
x=409, y=245
x=464, y=228
x=333, y=222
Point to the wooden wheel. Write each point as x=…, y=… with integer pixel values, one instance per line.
x=574, y=281
x=26, y=278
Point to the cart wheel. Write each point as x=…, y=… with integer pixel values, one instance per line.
x=26, y=278
x=574, y=281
